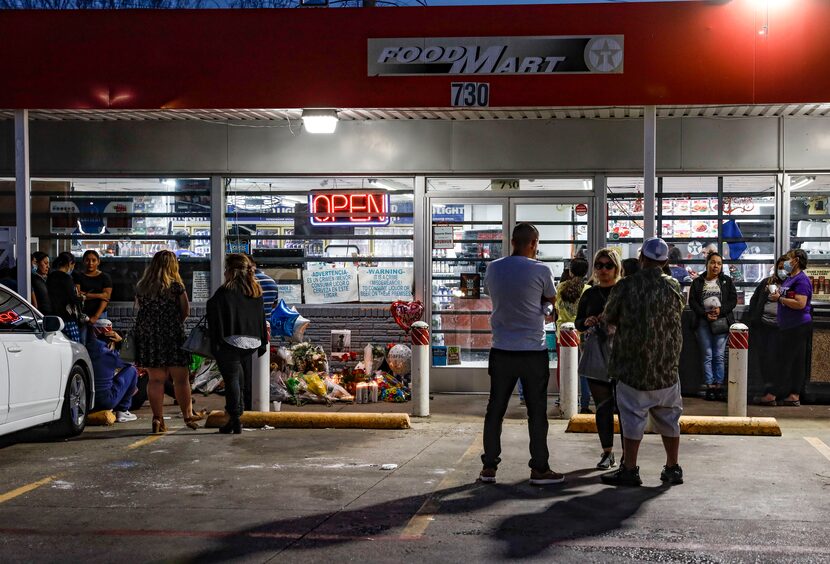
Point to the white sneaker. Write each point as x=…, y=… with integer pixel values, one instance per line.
x=124, y=416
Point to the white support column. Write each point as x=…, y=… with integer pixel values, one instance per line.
x=420, y=261
x=649, y=170
x=23, y=199
x=600, y=230
x=782, y=225
x=217, y=232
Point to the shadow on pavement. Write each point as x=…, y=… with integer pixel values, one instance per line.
x=523, y=535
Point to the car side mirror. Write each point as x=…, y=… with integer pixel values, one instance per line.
x=52, y=324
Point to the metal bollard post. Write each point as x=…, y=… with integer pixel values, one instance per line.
x=568, y=377
x=419, y=333
x=261, y=381
x=738, y=360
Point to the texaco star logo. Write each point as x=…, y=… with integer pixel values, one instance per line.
x=604, y=54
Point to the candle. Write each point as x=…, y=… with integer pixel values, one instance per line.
x=373, y=392
x=360, y=395
x=367, y=358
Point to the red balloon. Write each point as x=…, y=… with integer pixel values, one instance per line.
x=406, y=313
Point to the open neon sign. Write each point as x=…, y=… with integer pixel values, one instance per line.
x=9, y=317
x=331, y=209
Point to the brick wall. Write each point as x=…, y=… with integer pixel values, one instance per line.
x=368, y=323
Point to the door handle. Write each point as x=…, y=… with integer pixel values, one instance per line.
x=14, y=349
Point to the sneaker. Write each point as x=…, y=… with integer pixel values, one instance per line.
x=544, y=478
x=623, y=477
x=607, y=461
x=124, y=416
x=487, y=475
x=672, y=474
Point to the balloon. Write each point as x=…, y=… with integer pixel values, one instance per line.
x=406, y=313
x=399, y=359
x=300, y=325
x=282, y=320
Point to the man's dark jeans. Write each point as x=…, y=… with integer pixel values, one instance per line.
x=505, y=367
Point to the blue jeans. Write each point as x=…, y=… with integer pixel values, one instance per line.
x=119, y=395
x=712, y=347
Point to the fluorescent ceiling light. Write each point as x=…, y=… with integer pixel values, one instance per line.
x=805, y=181
x=320, y=121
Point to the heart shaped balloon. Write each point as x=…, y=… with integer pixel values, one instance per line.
x=406, y=313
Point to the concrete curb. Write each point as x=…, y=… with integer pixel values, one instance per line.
x=103, y=418
x=300, y=420
x=695, y=425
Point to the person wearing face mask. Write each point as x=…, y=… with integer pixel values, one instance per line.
x=40, y=293
x=764, y=335
x=712, y=297
x=795, y=321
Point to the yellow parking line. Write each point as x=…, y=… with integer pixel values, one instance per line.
x=425, y=515
x=819, y=446
x=146, y=441
x=25, y=489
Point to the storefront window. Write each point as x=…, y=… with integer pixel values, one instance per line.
x=327, y=240
x=810, y=228
x=624, y=231
x=126, y=220
x=508, y=184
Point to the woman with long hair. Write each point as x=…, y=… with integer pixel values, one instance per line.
x=161, y=300
x=590, y=320
x=237, y=329
x=567, y=302
x=95, y=286
x=65, y=301
x=712, y=297
x=764, y=334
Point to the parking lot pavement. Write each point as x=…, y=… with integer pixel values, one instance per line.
x=312, y=495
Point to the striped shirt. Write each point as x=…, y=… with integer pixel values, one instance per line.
x=270, y=293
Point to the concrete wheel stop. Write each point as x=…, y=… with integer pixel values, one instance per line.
x=695, y=425
x=301, y=420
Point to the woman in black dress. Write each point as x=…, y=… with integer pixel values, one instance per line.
x=162, y=304
x=237, y=330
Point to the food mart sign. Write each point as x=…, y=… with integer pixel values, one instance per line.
x=589, y=54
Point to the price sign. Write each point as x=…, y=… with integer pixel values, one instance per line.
x=470, y=94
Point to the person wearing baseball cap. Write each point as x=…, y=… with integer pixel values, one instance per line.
x=645, y=309
x=115, y=380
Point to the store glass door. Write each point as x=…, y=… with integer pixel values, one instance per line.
x=464, y=238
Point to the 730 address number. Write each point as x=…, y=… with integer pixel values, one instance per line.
x=470, y=94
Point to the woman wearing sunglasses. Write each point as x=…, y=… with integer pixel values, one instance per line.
x=591, y=322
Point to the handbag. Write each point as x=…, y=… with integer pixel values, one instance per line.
x=720, y=326
x=595, y=353
x=128, y=351
x=198, y=342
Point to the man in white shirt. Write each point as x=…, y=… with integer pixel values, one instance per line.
x=519, y=285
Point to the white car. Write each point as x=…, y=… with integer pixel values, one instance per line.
x=45, y=378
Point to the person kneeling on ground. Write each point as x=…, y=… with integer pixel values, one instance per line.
x=115, y=380
x=645, y=308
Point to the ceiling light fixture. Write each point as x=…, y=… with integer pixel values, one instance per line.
x=320, y=121
x=805, y=181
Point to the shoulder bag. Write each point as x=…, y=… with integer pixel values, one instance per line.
x=198, y=342
x=593, y=363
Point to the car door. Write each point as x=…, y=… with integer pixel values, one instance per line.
x=34, y=363
x=4, y=386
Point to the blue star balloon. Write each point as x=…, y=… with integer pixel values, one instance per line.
x=282, y=320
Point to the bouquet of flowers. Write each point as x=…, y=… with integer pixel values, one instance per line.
x=306, y=357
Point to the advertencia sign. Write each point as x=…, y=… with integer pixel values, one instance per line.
x=590, y=54
x=325, y=284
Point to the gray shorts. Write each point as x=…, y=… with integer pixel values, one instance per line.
x=665, y=407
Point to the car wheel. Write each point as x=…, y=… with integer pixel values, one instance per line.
x=75, y=406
